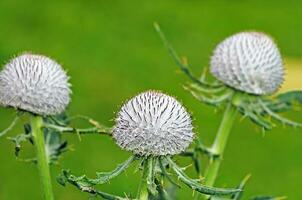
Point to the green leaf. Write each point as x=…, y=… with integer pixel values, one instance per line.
x=61, y=123
x=219, y=198
x=163, y=194
x=194, y=185
x=208, y=97
x=255, y=115
x=65, y=178
x=21, y=138
x=163, y=164
x=60, y=119
x=278, y=117
x=267, y=198
x=102, y=177
x=286, y=101
x=54, y=145
x=241, y=186
x=291, y=97
x=181, y=64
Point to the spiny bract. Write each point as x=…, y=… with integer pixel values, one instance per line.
x=153, y=123
x=34, y=83
x=250, y=62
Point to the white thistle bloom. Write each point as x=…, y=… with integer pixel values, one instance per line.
x=250, y=62
x=153, y=123
x=34, y=83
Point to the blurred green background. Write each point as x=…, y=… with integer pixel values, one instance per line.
x=112, y=52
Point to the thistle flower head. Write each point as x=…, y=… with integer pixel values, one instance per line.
x=34, y=83
x=153, y=123
x=250, y=62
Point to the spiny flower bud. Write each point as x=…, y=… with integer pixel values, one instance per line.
x=250, y=62
x=153, y=123
x=34, y=83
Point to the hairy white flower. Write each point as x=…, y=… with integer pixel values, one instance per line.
x=250, y=62
x=153, y=123
x=34, y=83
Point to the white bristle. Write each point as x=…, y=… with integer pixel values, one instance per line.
x=249, y=62
x=153, y=123
x=34, y=83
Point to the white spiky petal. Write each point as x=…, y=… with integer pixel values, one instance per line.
x=153, y=123
x=34, y=83
x=250, y=62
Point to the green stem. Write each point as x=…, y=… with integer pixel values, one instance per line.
x=220, y=142
x=142, y=193
x=43, y=167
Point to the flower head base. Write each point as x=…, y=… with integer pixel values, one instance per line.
x=34, y=83
x=250, y=62
x=153, y=123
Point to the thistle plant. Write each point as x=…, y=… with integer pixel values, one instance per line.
x=249, y=70
x=37, y=86
x=154, y=127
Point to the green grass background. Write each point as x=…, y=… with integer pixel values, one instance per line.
x=112, y=52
